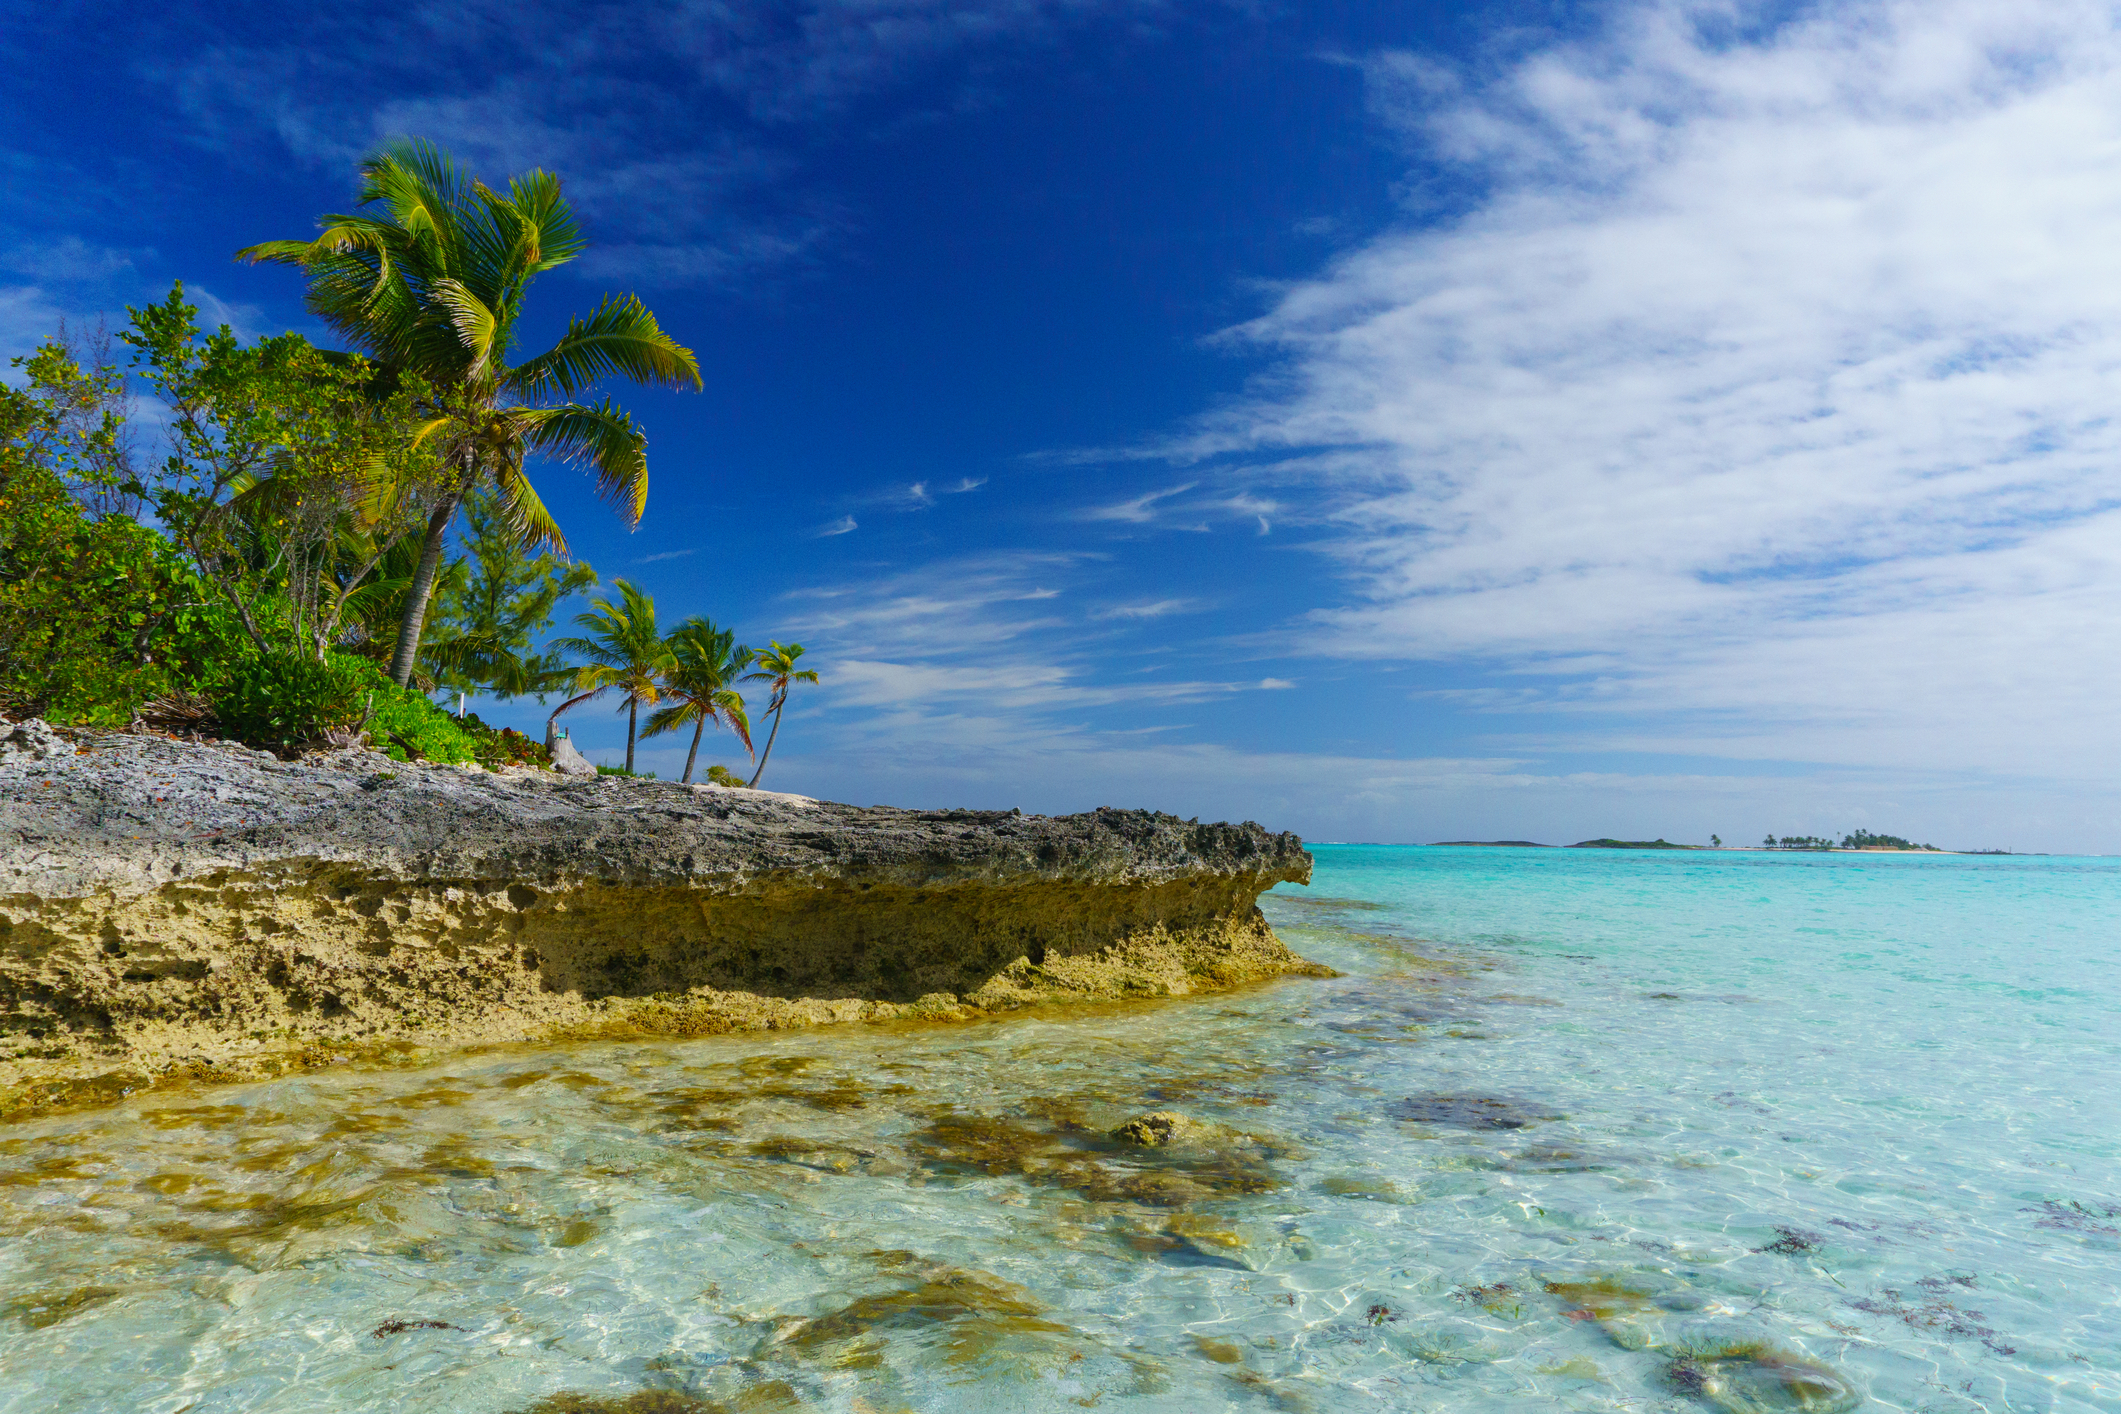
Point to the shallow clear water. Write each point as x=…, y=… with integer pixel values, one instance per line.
x=1578, y=1130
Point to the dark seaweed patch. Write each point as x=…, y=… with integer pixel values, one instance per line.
x=1099, y=1167
x=2073, y=1216
x=395, y=1326
x=1488, y=1298
x=1793, y=1242
x=38, y=1312
x=1468, y=1111
x=1936, y=1313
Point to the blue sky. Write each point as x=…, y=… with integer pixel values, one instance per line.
x=1387, y=422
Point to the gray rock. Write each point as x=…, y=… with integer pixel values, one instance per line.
x=35, y=739
x=165, y=903
x=568, y=761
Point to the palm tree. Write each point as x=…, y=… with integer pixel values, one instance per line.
x=429, y=278
x=624, y=652
x=778, y=668
x=704, y=664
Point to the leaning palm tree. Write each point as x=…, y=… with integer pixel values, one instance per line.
x=704, y=664
x=778, y=668
x=428, y=277
x=624, y=652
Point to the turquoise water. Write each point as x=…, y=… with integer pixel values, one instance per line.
x=1576, y=1130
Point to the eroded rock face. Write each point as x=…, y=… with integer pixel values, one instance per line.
x=170, y=907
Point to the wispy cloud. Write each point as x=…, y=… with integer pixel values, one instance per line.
x=845, y=525
x=665, y=555
x=1771, y=373
x=1150, y=609
x=65, y=258
x=1137, y=510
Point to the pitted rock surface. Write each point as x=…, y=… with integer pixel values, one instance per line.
x=214, y=909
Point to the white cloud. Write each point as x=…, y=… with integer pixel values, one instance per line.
x=1151, y=609
x=1275, y=684
x=665, y=555
x=843, y=526
x=27, y=317
x=1774, y=378
x=66, y=258
x=1137, y=510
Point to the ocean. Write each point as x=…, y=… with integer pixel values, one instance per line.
x=1573, y=1130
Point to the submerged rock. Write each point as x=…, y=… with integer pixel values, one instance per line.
x=168, y=908
x=1153, y=1131
x=1468, y=1111
x=1756, y=1377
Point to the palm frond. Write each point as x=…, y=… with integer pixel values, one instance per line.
x=603, y=439
x=621, y=338
x=525, y=512
x=475, y=324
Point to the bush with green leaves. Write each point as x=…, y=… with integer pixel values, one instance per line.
x=285, y=700
x=403, y=716
x=502, y=746
x=97, y=612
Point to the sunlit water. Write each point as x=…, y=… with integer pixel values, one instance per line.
x=1578, y=1130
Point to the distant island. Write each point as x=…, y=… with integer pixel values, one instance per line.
x=1855, y=839
x=1633, y=844
x=1492, y=844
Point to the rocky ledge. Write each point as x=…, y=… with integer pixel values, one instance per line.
x=170, y=909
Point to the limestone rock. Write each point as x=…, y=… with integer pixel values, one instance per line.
x=165, y=904
x=35, y=739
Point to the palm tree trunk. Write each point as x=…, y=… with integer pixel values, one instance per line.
x=769, y=746
x=633, y=710
x=423, y=583
x=699, y=729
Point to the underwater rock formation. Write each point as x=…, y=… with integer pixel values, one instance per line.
x=212, y=910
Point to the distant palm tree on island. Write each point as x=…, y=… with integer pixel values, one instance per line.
x=624, y=652
x=703, y=664
x=430, y=281
x=777, y=667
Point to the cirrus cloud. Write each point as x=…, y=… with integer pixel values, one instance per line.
x=1763, y=389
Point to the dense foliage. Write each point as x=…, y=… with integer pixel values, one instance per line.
x=322, y=538
x=1864, y=839
x=429, y=276
x=97, y=614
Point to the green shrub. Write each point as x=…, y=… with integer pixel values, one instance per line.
x=502, y=746
x=96, y=616
x=622, y=771
x=723, y=776
x=402, y=715
x=284, y=699
x=280, y=700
